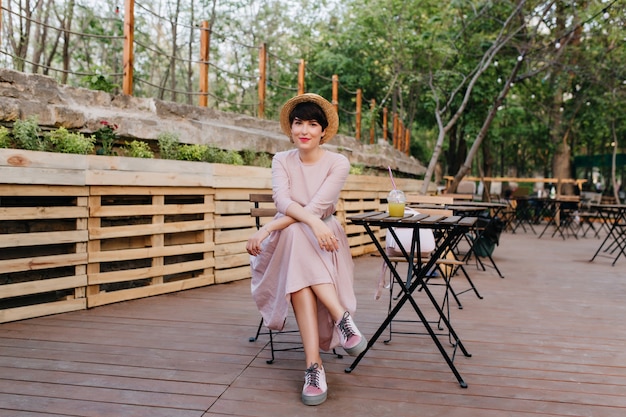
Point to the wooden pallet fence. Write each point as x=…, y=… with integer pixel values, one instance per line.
x=43, y=250
x=83, y=231
x=233, y=227
x=146, y=241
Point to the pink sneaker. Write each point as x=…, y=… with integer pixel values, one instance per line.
x=315, y=389
x=351, y=338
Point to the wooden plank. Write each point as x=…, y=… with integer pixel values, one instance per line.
x=147, y=179
x=148, y=229
x=230, y=236
x=43, y=285
x=38, y=310
x=103, y=298
x=42, y=262
x=30, y=213
x=230, y=222
x=232, y=274
x=43, y=238
x=150, y=210
x=142, y=253
x=229, y=248
x=46, y=190
x=96, y=190
x=29, y=176
x=143, y=273
x=232, y=261
x=232, y=207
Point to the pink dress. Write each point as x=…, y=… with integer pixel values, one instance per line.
x=291, y=259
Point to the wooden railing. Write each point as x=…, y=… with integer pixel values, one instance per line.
x=84, y=231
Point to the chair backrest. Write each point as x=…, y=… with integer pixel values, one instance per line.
x=495, y=189
x=263, y=207
x=405, y=235
x=456, y=197
x=414, y=198
x=466, y=187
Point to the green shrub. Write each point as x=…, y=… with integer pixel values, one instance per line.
x=27, y=134
x=357, y=169
x=64, y=141
x=168, y=145
x=5, y=137
x=193, y=152
x=259, y=159
x=98, y=81
x=138, y=149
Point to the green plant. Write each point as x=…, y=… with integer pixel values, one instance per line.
x=192, y=152
x=220, y=156
x=27, y=134
x=138, y=149
x=64, y=141
x=357, y=169
x=260, y=159
x=107, y=136
x=5, y=137
x=168, y=145
x=98, y=81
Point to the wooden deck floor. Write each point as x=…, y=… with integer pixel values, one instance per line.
x=547, y=340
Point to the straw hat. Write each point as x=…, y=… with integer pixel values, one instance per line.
x=327, y=108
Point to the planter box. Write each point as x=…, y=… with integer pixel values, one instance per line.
x=83, y=231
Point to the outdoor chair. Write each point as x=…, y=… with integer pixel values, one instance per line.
x=263, y=207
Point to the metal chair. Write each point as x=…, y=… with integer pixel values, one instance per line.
x=264, y=208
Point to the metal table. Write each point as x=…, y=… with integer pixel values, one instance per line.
x=453, y=227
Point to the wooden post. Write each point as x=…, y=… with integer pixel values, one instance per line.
x=0, y=22
x=385, y=123
x=359, y=99
x=335, y=88
x=407, y=141
x=372, y=121
x=205, y=41
x=394, y=134
x=301, y=77
x=262, y=79
x=129, y=40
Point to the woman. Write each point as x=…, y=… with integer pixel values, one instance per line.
x=302, y=256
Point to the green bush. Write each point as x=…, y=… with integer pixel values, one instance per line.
x=192, y=152
x=357, y=169
x=27, y=134
x=168, y=145
x=64, y=141
x=259, y=159
x=5, y=137
x=138, y=149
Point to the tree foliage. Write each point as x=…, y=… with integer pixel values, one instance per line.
x=450, y=70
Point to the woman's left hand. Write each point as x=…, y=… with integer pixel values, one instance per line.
x=325, y=237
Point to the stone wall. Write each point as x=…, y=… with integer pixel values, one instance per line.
x=56, y=105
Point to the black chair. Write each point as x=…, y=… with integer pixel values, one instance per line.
x=264, y=208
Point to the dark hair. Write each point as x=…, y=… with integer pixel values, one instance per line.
x=309, y=111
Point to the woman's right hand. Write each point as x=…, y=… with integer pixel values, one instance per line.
x=254, y=242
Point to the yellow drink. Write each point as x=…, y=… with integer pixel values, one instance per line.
x=396, y=209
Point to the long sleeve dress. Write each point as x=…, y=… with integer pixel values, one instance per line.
x=291, y=259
